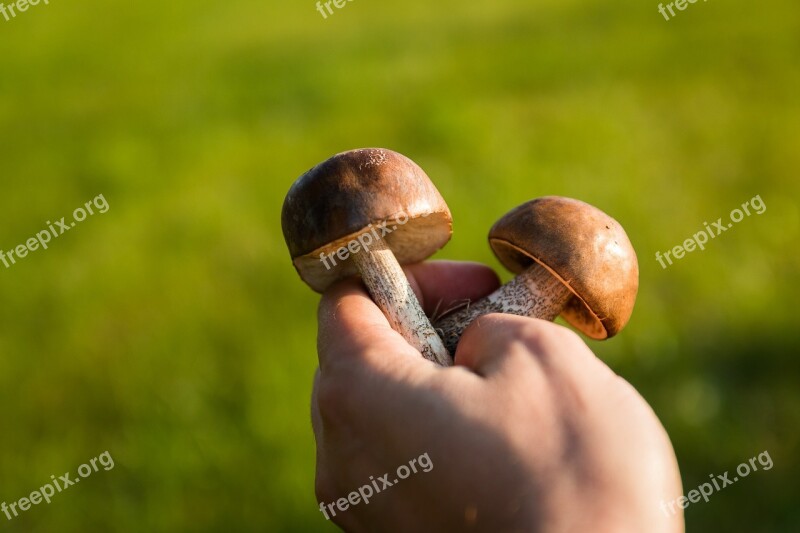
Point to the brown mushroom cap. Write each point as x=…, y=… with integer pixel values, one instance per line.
x=587, y=250
x=353, y=193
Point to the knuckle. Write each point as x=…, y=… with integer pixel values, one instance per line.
x=547, y=339
x=566, y=335
x=556, y=333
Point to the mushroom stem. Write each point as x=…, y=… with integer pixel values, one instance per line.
x=390, y=290
x=534, y=293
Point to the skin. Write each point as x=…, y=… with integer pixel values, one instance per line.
x=529, y=431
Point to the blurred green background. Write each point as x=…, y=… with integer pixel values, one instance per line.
x=172, y=330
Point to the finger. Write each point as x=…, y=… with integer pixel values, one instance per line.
x=442, y=285
x=507, y=345
x=497, y=344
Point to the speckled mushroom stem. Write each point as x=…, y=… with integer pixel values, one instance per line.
x=534, y=293
x=389, y=288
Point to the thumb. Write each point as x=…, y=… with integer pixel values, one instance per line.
x=353, y=330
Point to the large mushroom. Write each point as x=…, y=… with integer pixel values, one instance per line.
x=367, y=212
x=571, y=259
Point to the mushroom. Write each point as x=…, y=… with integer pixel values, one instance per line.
x=367, y=212
x=571, y=259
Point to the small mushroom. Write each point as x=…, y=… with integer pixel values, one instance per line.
x=571, y=259
x=367, y=212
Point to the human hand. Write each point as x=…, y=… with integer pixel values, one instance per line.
x=529, y=431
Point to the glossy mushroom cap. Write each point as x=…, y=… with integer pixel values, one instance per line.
x=353, y=193
x=587, y=250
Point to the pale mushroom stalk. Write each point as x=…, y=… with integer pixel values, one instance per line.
x=391, y=292
x=534, y=293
